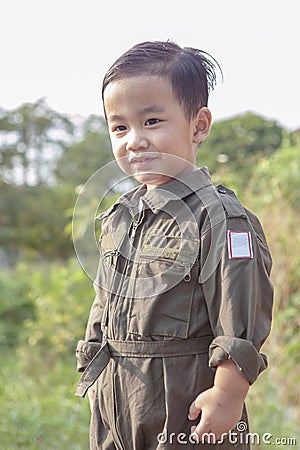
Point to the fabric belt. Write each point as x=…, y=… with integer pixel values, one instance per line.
x=138, y=349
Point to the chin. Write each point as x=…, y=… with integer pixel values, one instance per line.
x=151, y=179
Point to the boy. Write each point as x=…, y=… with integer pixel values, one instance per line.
x=183, y=295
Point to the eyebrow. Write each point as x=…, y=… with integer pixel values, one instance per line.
x=115, y=118
x=153, y=109
x=147, y=110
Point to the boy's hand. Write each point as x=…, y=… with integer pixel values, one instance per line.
x=221, y=406
x=220, y=412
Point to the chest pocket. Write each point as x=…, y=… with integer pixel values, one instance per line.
x=165, y=279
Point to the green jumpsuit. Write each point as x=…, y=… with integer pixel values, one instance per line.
x=183, y=284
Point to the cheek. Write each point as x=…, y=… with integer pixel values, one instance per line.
x=124, y=166
x=117, y=147
x=119, y=153
x=162, y=142
x=116, y=152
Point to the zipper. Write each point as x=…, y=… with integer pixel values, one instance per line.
x=110, y=254
x=135, y=224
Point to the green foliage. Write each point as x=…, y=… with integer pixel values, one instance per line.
x=62, y=297
x=16, y=307
x=38, y=379
x=267, y=415
x=45, y=157
x=273, y=192
x=85, y=156
x=278, y=176
x=32, y=138
x=237, y=144
x=33, y=220
x=41, y=412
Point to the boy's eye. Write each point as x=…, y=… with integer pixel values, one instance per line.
x=119, y=128
x=151, y=121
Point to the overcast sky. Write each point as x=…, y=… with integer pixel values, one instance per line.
x=60, y=49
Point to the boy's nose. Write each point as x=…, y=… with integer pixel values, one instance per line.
x=136, y=141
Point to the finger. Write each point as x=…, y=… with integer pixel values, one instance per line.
x=203, y=430
x=195, y=408
x=202, y=434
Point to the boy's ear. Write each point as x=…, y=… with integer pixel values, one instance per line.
x=202, y=124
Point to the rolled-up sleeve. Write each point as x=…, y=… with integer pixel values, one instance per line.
x=85, y=352
x=239, y=298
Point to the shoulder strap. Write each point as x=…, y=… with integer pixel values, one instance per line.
x=230, y=202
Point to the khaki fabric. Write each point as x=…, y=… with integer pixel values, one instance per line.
x=171, y=304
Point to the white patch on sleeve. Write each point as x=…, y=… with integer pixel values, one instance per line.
x=239, y=244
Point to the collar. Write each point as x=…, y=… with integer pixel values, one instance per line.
x=159, y=196
x=178, y=188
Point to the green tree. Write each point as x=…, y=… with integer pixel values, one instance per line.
x=32, y=137
x=238, y=143
x=86, y=155
x=33, y=220
x=44, y=156
x=273, y=193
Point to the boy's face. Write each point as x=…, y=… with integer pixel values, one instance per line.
x=152, y=139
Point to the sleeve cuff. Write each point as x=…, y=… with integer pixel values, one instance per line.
x=85, y=352
x=250, y=363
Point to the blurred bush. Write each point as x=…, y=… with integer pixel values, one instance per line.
x=16, y=306
x=44, y=313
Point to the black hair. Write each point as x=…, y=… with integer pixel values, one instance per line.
x=192, y=72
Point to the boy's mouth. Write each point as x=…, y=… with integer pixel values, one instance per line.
x=141, y=159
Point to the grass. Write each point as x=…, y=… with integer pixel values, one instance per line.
x=38, y=409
